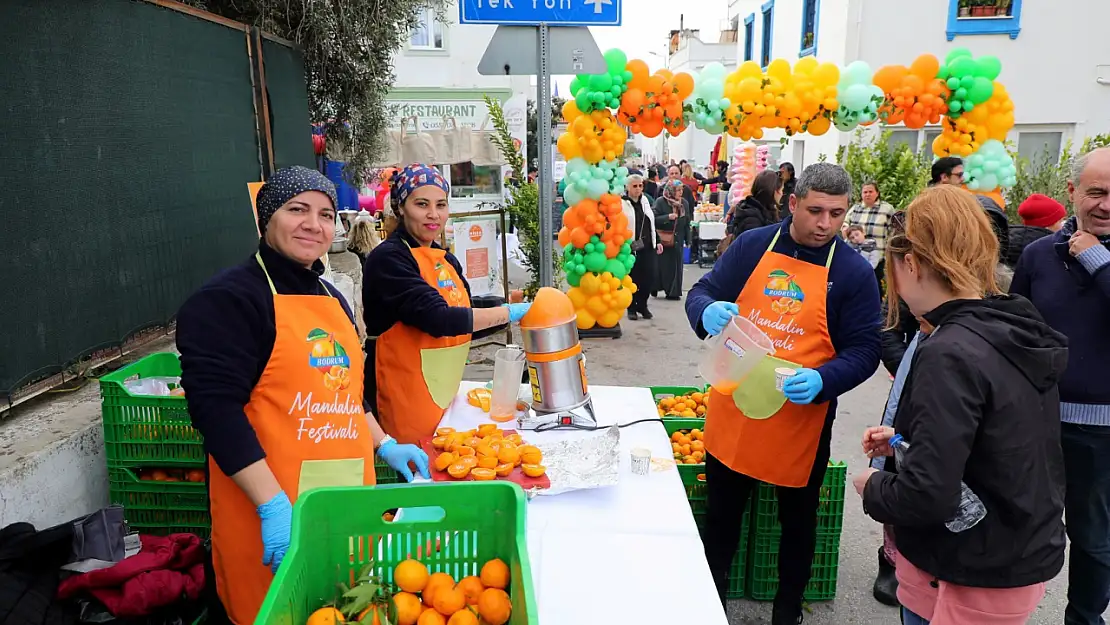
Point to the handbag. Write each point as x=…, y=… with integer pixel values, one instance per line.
x=666, y=238
x=638, y=244
x=391, y=152
x=416, y=147
x=452, y=143
x=483, y=150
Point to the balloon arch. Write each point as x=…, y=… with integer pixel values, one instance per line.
x=961, y=94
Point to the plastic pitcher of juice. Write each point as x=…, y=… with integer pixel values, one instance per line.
x=733, y=353
x=508, y=368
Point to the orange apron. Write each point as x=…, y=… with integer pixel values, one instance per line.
x=756, y=431
x=307, y=412
x=417, y=374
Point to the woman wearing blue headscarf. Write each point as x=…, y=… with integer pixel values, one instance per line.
x=416, y=306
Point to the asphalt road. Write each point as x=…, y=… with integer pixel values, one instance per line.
x=664, y=351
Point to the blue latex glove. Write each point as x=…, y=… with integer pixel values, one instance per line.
x=399, y=456
x=803, y=386
x=277, y=520
x=717, y=315
x=516, y=311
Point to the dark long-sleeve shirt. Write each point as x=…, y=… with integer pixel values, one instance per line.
x=225, y=333
x=393, y=290
x=852, y=302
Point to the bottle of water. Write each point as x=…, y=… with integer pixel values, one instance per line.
x=971, y=509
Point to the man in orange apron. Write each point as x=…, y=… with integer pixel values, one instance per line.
x=417, y=309
x=818, y=303
x=273, y=377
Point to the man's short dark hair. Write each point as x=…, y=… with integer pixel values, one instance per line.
x=825, y=178
x=533, y=170
x=944, y=167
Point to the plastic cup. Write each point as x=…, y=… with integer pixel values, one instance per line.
x=782, y=374
x=641, y=461
x=733, y=353
x=508, y=367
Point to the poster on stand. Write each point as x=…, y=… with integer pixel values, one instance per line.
x=476, y=249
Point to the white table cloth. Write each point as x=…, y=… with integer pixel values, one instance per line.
x=628, y=553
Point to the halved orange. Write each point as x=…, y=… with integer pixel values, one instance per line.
x=465, y=450
x=445, y=460
x=481, y=474
x=444, y=431
x=470, y=461
x=439, y=442
x=487, y=462
x=503, y=470
x=459, y=470
x=533, y=470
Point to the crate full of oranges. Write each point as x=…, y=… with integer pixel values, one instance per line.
x=688, y=446
x=689, y=406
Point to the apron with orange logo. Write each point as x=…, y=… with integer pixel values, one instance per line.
x=756, y=431
x=418, y=374
x=307, y=412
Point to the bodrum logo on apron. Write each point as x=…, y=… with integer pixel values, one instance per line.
x=786, y=296
x=329, y=357
x=447, y=283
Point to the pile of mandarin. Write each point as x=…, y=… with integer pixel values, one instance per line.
x=485, y=453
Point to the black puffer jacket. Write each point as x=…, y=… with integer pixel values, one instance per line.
x=1020, y=237
x=896, y=340
x=980, y=405
x=749, y=215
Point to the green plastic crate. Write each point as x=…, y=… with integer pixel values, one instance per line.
x=688, y=472
x=660, y=392
x=338, y=531
x=148, y=431
x=830, y=510
x=127, y=490
x=763, y=574
x=158, y=529
x=385, y=474
x=737, y=573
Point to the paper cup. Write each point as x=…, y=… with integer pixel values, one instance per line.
x=781, y=375
x=641, y=461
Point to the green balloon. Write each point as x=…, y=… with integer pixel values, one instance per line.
x=573, y=278
x=589, y=248
x=964, y=66
x=968, y=106
x=956, y=53
x=595, y=239
x=616, y=59
x=953, y=83
x=967, y=81
x=960, y=94
x=575, y=85
x=955, y=106
x=595, y=261
x=614, y=103
x=981, y=90
x=626, y=248
x=629, y=262
x=580, y=269
x=582, y=101
x=943, y=73
x=616, y=268
x=568, y=249
x=616, y=91
x=989, y=67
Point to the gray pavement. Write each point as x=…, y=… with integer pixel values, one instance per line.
x=664, y=351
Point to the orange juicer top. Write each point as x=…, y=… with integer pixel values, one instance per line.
x=551, y=307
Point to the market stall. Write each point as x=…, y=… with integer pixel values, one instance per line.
x=708, y=228
x=592, y=550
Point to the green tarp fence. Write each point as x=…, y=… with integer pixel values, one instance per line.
x=128, y=137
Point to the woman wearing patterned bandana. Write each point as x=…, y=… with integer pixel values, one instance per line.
x=273, y=376
x=416, y=306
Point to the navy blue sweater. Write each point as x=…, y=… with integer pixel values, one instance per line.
x=1073, y=295
x=225, y=333
x=853, y=301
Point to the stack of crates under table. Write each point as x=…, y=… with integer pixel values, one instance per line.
x=754, y=573
x=156, y=460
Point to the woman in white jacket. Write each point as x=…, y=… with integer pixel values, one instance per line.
x=637, y=208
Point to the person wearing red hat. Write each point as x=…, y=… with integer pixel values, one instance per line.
x=1040, y=217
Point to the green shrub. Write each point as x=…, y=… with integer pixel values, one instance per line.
x=900, y=173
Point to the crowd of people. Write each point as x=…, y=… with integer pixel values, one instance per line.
x=997, y=428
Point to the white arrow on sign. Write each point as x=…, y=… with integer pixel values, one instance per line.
x=598, y=4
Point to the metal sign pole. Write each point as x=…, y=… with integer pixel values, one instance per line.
x=546, y=182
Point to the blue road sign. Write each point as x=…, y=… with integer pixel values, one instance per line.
x=532, y=12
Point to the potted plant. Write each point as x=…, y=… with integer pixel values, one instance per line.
x=965, y=8
x=979, y=8
x=807, y=42
x=1002, y=8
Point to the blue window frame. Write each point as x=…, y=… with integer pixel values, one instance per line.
x=810, y=11
x=977, y=25
x=749, y=36
x=768, y=32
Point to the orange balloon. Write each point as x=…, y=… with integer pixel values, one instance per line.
x=639, y=69
x=889, y=77
x=685, y=84
x=664, y=73
x=571, y=219
x=926, y=66
x=995, y=195
x=611, y=250
x=579, y=237
x=632, y=100
x=564, y=235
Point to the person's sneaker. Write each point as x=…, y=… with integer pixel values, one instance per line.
x=647, y=314
x=632, y=315
x=885, y=589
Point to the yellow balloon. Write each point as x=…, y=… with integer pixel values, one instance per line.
x=570, y=111
x=590, y=283
x=779, y=68
x=819, y=126
x=749, y=69
x=623, y=298
x=577, y=297
x=827, y=74
x=610, y=318
x=806, y=65
x=596, y=306
x=585, y=320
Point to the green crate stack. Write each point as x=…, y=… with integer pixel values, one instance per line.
x=688, y=472
x=339, y=531
x=143, y=432
x=661, y=392
x=763, y=573
x=385, y=474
